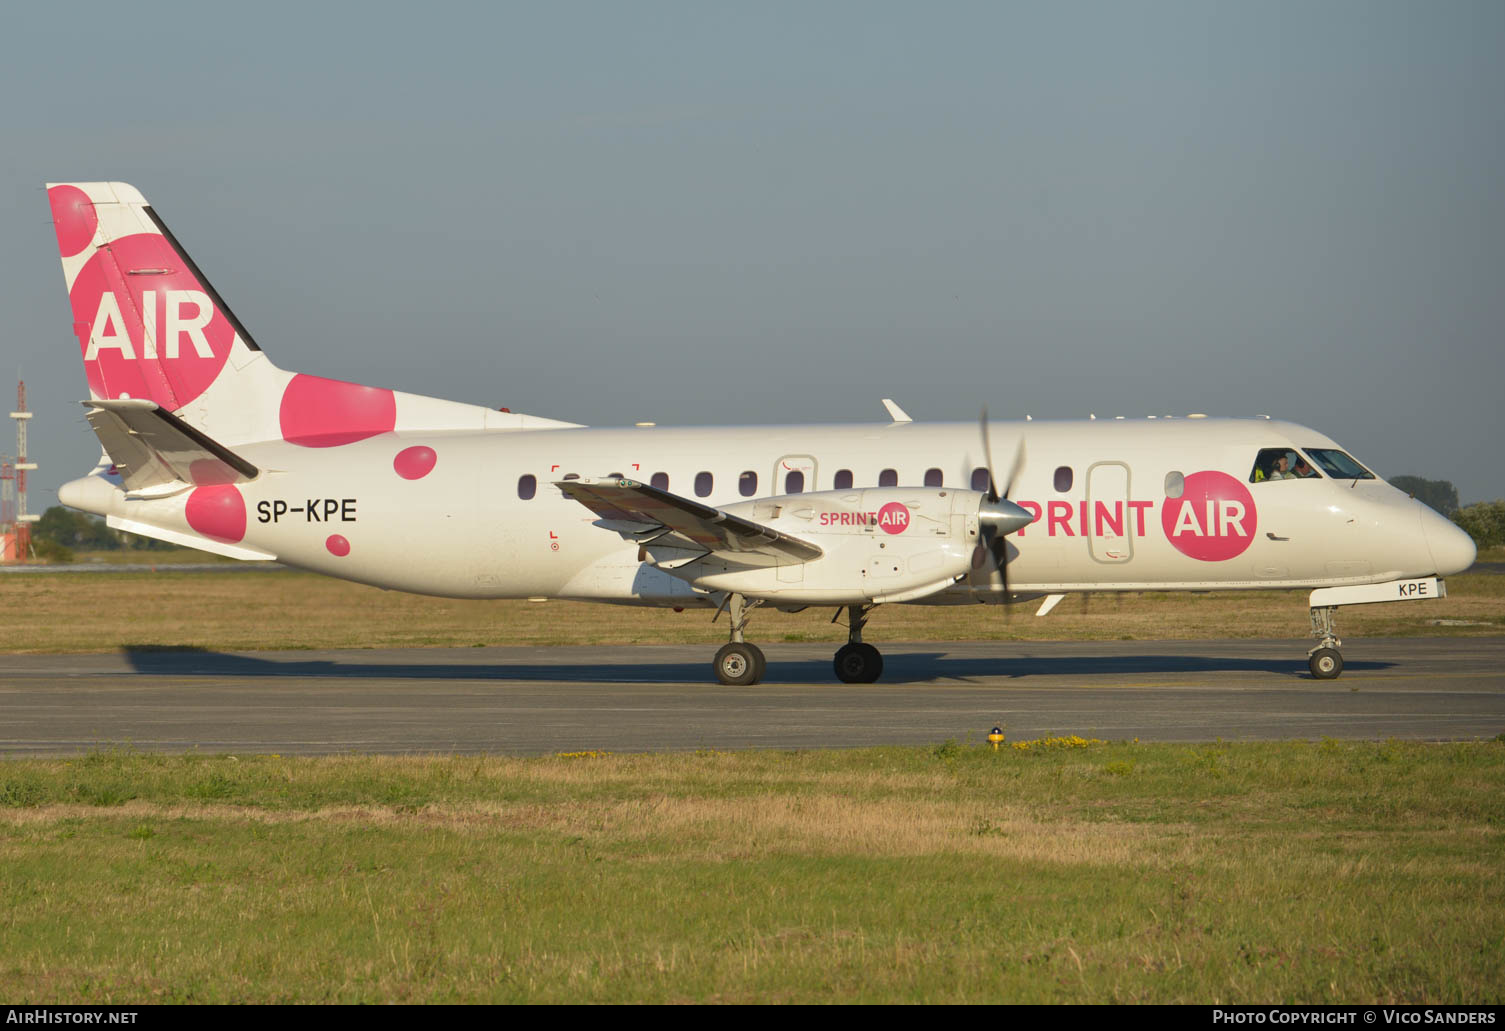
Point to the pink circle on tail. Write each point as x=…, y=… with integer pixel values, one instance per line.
x=139, y=282
x=218, y=512
x=337, y=545
x=318, y=412
x=73, y=218
x=414, y=463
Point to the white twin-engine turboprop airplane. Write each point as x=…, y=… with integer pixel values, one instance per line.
x=210, y=445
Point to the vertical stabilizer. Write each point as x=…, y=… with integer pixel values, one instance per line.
x=150, y=327
x=149, y=324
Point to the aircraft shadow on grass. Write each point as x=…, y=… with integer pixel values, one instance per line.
x=914, y=667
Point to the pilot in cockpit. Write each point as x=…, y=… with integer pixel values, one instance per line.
x=1273, y=465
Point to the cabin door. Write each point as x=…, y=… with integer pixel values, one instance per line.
x=793, y=474
x=1110, y=533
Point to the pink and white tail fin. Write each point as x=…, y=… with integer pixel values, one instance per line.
x=149, y=324
x=151, y=327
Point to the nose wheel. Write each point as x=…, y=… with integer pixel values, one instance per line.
x=1325, y=661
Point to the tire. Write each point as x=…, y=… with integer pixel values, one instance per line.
x=738, y=664
x=858, y=664
x=1325, y=663
x=762, y=663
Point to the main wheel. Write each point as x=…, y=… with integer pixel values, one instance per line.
x=739, y=664
x=1325, y=663
x=858, y=664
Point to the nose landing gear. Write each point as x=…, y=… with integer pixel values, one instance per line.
x=1324, y=660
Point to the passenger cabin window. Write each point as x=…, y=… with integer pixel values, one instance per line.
x=980, y=480
x=659, y=480
x=527, y=486
x=794, y=483
x=747, y=484
x=1283, y=463
x=1338, y=465
x=888, y=478
x=1175, y=484
x=1064, y=479
x=703, y=484
x=933, y=477
x=843, y=480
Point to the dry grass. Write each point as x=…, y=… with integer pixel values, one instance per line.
x=1283, y=872
x=713, y=829
x=241, y=611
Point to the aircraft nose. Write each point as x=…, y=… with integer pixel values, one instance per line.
x=1452, y=549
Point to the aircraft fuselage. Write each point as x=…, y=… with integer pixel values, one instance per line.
x=461, y=527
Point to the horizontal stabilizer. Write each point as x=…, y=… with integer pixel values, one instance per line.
x=151, y=447
x=701, y=526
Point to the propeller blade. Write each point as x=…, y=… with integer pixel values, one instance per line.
x=1014, y=471
x=987, y=449
x=987, y=452
x=998, y=516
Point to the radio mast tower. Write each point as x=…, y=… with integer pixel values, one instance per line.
x=22, y=467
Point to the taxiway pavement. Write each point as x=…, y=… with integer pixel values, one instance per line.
x=631, y=699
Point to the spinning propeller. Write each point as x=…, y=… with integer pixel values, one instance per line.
x=997, y=515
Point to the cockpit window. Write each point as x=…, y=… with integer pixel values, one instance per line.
x=1273, y=463
x=1282, y=463
x=1338, y=465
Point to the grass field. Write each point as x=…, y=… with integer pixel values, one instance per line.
x=1062, y=872
x=238, y=611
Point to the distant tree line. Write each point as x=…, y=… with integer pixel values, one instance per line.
x=61, y=531
x=1440, y=494
x=1484, y=521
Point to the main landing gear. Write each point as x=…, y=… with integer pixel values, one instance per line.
x=855, y=662
x=1325, y=661
x=740, y=663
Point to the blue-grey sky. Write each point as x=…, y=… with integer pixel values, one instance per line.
x=762, y=212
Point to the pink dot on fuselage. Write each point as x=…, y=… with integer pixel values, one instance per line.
x=414, y=463
x=218, y=512
x=73, y=218
x=337, y=545
x=318, y=412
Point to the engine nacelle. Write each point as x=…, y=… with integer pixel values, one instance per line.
x=883, y=544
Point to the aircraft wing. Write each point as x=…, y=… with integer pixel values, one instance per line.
x=628, y=501
x=151, y=446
